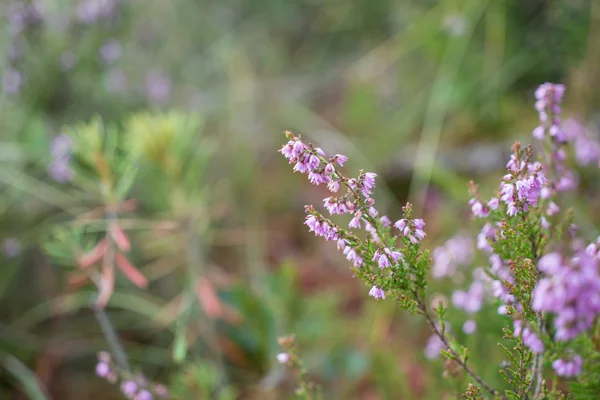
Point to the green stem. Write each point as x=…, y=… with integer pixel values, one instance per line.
x=112, y=339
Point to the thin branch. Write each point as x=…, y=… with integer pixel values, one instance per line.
x=105, y=325
x=540, y=364
x=457, y=357
x=111, y=337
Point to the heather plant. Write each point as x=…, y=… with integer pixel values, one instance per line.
x=542, y=277
x=209, y=268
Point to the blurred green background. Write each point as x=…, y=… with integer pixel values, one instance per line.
x=426, y=93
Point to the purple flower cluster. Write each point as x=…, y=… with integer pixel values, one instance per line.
x=158, y=87
x=412, y=229
x=110, y=51
x=471, y=300
x=587, y=148
x=356, y=201
x=90, y=11
x=568, y=367
x=23, y=14
x=529, y=337
x=457, y=251
x=434, y=347
x=522, y=188
x=549, y=96
x=60, y=150
x=135, y=388
x=11, y=81
x=469, y=327
x=481, y=210
x=570, y=289
x=377, y=293
x=487, y=236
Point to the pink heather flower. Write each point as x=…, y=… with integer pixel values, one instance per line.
x=353, y=257
x=372, y=231
x=549, y=294
x=571, y=290
x=434, y=347
x=512, y=210
x=469, y=327
x=400, y=225
x=549, y=97
x=568, y=181
x=587, y=149
x=544, y=223
x=539, y=133
x=550, y=264
x=11, y=81
x=283, y=358
x=110, y=51
x=161, y=391
x=129, y=388
x=469, y=301
x=333, y=186
x=568, y=367
x=383, y=261
x=592, y=248
x=158, y=87
x=478, y=209
x=531, y=340
x=144, y=395
x=493, y=203
x=394, y=255
x=412, y=229
x=60, y=147
x=317, y=178
x=373, y=212
x=103, y=369
x=500, y=291
x=370, y=180
x=355, y=222
x=457, y=251
x=513, y=165
x=60, y=168
x=377, y=293
x=340, y=159
x=320, y=228
x=483, y=238
x=334, y=206
x=60, y=171
x=385, y=221
x=500, y=268
x=352, y=183
x=552, y=209
x=507, y=193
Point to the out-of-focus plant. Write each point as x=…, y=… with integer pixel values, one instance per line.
x=104, y=163
x=289, y=357
x=545, y=279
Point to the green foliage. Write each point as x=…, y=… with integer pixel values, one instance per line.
x=200, y=380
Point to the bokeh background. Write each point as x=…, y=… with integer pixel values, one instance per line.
x=428, y=94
